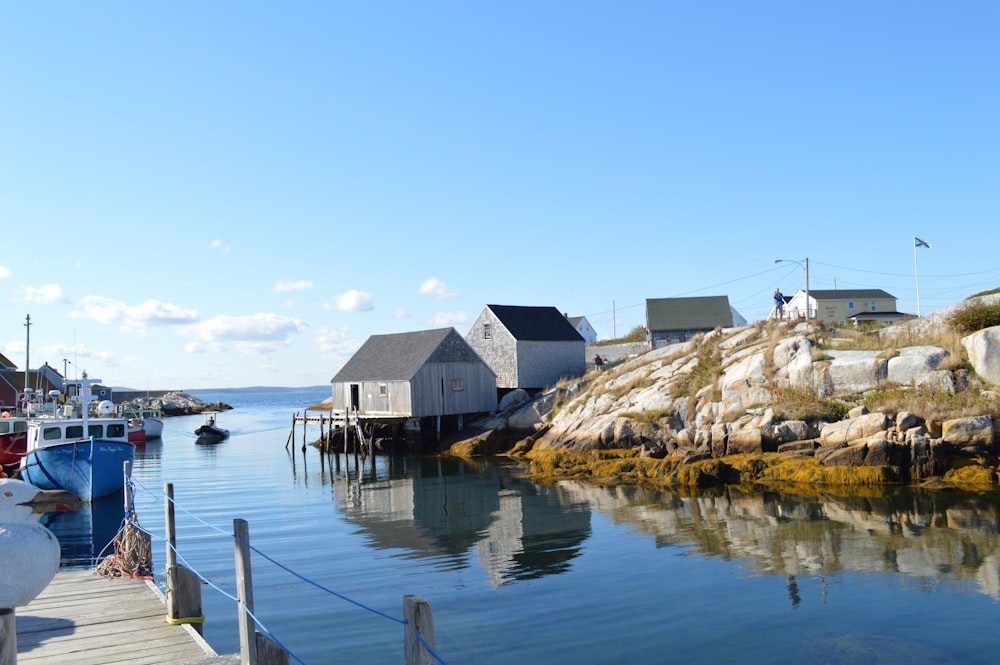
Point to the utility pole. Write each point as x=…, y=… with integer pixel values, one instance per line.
x=27, y=352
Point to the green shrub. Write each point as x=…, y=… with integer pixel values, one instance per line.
x=976, y=317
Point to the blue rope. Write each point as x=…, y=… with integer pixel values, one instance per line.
x=420, y=638
x=230, y=596
x=321, y=587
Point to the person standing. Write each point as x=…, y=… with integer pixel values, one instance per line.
x=778, y=311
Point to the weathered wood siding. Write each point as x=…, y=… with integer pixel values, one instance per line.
x=435, y=391
x=543, y=364
x=395, y=400
x=498, y=350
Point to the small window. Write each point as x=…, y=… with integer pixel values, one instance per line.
x=74, y=432
x=872, y=307
x=487, y=333
x=383, y=390
x=850, y=304
x=96, y=431
x=50, y=433
x=116, y=431
x=457, y=385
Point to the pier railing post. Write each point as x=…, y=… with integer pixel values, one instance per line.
x=417, y=613
x=183, y=586
x=244, y=592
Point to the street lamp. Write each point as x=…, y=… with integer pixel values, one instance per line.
x=805, y=265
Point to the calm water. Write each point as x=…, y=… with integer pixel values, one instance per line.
x=518, y=573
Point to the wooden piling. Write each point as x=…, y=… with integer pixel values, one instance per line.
x=244, y=592
x=418, y=617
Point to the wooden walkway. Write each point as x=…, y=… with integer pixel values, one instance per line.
x=84, y=619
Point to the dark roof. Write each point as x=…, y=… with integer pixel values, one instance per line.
x=6, y=362
x=398, y=357
x=701, y=313
x=536, y=324
x=878, y=315
x=848, y=294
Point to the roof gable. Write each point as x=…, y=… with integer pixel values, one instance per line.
x=706, y=312
x=399, y=356
x=535, y=324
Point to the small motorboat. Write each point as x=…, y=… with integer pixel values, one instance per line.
x=210, y=432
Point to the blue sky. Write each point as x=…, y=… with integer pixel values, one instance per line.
x=224, y=194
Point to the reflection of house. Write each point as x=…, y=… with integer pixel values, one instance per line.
x=415, y=375
x=846, y=305
x=583, y=327
x=446, y=511
x=674, y=320
x=527, y=347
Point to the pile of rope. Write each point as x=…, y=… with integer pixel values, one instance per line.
x=132, y=556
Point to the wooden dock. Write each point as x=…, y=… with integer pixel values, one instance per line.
x=84, y=619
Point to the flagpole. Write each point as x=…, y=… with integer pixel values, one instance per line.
x=915, y=278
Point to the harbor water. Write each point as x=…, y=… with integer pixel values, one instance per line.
x=517, y=572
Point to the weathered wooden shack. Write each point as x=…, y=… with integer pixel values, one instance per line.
x=527, y=347
x=424, y=374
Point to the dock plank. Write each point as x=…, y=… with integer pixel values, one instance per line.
x=82, y=618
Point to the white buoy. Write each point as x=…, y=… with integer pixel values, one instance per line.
x=29, y=552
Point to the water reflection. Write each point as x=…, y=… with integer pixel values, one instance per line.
x=449, y=510
x=446, y=509
x=933, y=537
x=85, y=533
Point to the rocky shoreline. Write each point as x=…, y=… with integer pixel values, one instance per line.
x=175, y=403
x=766, y=404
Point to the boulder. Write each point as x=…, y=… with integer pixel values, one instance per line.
x=914, y=363
x=983, y=348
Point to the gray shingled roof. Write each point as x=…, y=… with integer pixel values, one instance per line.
x=706, y=312
x=396, y=357
x=848, y=294
x=536, y=324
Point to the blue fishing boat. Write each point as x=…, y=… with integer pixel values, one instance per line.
x=77, y=453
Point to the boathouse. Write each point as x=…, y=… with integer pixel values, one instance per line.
x=432, y=375
x=527, y=347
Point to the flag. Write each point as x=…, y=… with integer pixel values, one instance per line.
x=917, y=242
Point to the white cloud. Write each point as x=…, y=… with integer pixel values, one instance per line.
x=46, y=294
x=438, y=289
x=335, y=342
x=156, y=313
x=401, y=314
x=136, y=318
x=100, y=309
x=353, y=301
x=449, y=318
x=217, y=244
x=4, y=272
x=251, y=335
x=287, y=287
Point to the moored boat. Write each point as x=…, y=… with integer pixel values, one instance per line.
x=13, y=441
x=83, y=455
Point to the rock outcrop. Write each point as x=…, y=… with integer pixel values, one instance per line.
x=770, y=389
x=176, y=404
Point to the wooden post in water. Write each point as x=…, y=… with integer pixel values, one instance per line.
x=417, y=613
x=183, y=586
x=244, y=592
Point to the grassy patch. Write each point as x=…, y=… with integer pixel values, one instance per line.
x=930, y=403
x=801, y=404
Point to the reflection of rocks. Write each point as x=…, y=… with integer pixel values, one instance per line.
x=447, y=509
x=934, y=536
